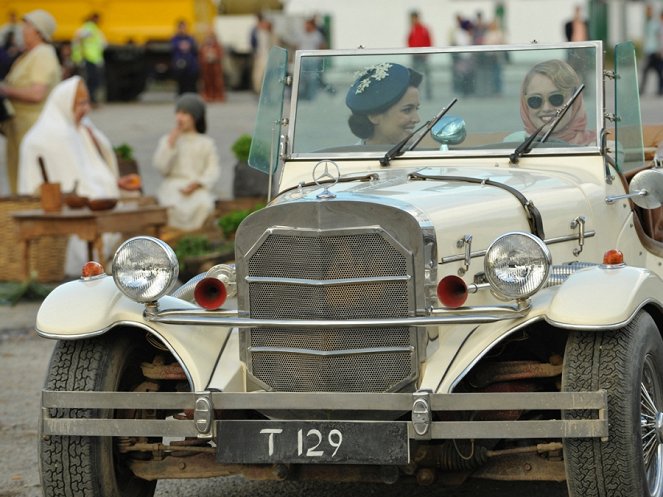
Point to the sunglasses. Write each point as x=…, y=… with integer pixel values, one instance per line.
x=536, y=101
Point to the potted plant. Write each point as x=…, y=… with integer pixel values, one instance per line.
x=126, y=162
x=247, y=182
x=231, y=221
x=196, y=254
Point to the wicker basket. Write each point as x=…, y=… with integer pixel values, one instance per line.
x=46, y=254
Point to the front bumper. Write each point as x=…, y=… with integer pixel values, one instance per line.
x=207, y=407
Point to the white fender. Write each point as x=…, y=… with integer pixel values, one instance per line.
x=603, y=297
x=83, y=309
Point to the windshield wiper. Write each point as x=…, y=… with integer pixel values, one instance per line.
x=397, y=149
x=527, y=146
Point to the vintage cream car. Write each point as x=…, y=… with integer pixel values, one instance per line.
x=475, y=298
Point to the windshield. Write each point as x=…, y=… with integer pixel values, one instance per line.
x=365, y=101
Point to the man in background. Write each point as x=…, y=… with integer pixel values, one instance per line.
x=87, y=52
x=419, y=36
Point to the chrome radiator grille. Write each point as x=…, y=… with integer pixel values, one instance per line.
x=315, y=275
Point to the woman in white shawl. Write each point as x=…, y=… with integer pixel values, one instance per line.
x=75, y=153
x=189, y=162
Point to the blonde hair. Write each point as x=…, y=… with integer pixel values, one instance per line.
x=559, y=72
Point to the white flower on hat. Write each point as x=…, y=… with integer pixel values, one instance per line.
x=377, y=72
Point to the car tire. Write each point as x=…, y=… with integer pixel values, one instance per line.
x=628, y=364
x=74, y=465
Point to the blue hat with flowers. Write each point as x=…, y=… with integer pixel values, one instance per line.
x=378, y=87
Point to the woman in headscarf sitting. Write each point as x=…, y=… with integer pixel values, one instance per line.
x=189, y=162
x=75, y=153
x=546, y=88
x=384, y=100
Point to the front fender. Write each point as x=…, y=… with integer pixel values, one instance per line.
x=84, y=309
x=603, y=297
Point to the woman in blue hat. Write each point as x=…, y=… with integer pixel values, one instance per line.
x=384, y=100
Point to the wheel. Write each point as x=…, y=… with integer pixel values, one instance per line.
x=92, y=466
x=628, y=364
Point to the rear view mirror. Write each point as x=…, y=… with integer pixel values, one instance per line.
x=450, y=130
x=646, y=189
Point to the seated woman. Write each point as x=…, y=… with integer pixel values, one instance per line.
x=384, y=100
x=76, y=155
x=189, y=162
x=546, y=88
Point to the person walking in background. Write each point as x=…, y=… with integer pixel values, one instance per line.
x=8, y=53
x=311, y=70
x=651, y=48
x=184, y=59
x=12, y=28
x=211, y=65
x=262, y=40
x=27, y=85
x=577, y=29
x=419, y=36
x=87, y=51
x=189, y=162
x=495, y=61
x=463, y=63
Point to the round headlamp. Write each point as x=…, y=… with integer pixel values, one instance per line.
x=517, y=265
x=145, y=268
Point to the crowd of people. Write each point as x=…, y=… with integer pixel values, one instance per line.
x=49, y=133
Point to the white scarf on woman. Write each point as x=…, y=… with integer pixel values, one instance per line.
x=70, y=152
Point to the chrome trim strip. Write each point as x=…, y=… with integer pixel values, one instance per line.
x=442, y=316
x=360, y=401
x=547, y=241
x=330, y=353
x=586, y=428
x=322, y=283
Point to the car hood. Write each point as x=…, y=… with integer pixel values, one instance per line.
x=480, y=201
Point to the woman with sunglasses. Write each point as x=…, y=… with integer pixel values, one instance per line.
x=546, y=88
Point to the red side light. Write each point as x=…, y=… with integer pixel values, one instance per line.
x=613, y=257
x=92, y=268
x=452, y=291
x=210, y=293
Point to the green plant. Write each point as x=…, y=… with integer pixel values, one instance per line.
x=124, y=152
x=13, y=292
x=242, y=147
x=192, y=246
x=231, y=221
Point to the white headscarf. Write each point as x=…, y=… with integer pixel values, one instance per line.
x=70, y=153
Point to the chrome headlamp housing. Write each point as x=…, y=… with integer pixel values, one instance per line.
x=145, y=269
x=517, y=265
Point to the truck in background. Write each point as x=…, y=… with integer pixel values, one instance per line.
x=138, y=34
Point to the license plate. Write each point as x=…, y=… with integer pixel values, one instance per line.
x=311, y=442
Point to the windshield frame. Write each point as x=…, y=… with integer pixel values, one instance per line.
x=304, y=57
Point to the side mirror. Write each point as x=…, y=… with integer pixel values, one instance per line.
x=450, y=130
x=646, y=189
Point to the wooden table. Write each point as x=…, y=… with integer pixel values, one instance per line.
x=88, y=225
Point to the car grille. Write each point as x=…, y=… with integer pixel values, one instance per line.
x=314, y=275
